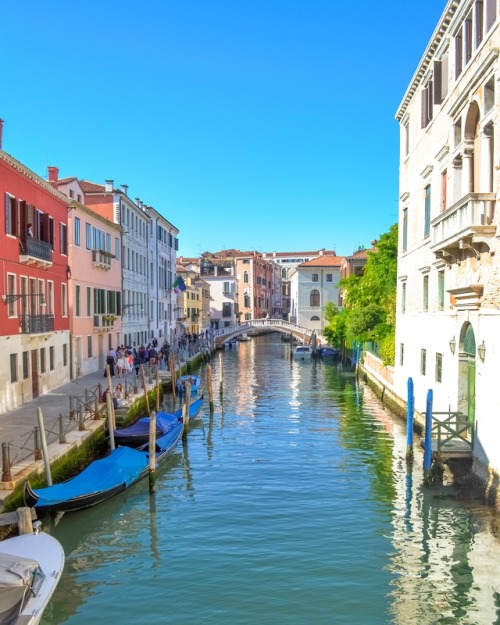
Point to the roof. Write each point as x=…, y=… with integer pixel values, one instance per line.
x=66, y=180
x=92, y=187
x=323, y=261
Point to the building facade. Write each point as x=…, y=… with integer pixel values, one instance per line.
x=448, y=303
x=34, y=328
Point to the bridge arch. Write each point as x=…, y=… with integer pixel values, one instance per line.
x=272, y=325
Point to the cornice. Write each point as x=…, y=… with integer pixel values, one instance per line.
x=22, y=169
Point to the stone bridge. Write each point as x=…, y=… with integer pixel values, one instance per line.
x=267, y=325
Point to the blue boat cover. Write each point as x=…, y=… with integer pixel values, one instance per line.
x=122, y=466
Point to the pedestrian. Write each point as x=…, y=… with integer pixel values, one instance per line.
x=110, y=362
x=29, y=230
x=121, y=364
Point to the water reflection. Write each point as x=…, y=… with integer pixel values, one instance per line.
x=291, y=503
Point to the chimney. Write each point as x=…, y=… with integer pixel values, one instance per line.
x=1, y=128
x=53, y=175
x=109, y=186
x=124, y=188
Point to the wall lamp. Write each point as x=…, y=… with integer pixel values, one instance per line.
x=453, y=345
x=12, y=297
x=481, y=351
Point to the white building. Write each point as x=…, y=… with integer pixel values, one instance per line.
x=312, y=285
x=448, y=316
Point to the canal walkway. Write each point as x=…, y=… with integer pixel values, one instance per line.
x=17, y=426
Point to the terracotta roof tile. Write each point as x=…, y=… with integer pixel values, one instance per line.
x=323, y=261
x=92, y=187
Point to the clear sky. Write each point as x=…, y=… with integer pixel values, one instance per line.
x=252, y=124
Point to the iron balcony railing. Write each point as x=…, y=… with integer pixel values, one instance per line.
x=29, y=246
x=37, y=324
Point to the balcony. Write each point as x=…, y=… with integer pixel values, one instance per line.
x=35, y=252
x=465, y=227
x=101, y=259
x=37, y=324
x=104, y=323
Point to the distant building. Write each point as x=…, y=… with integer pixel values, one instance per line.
x=314, y=283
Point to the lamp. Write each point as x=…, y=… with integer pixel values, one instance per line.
x=12, y=297
x=453, y=345
x=481, y=351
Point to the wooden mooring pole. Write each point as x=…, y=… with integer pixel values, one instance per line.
x=45, y=451
x=145, y=387
x=152, y=452
x=428, y=439
x=409, y=421
x=210, y=388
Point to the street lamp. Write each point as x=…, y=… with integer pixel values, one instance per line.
x=481, y=351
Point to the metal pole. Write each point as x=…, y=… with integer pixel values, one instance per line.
x=428, y=438
x=6, y=474
x=46, y=459
x=81, y=419
x=36, y=443
x=62, y=436
x=409, y=421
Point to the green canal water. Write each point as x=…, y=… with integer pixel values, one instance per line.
x=290, y=505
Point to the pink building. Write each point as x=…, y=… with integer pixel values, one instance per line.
x=95, y=305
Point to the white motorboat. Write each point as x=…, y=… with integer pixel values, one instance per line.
x=302, y=352
x=30, y=569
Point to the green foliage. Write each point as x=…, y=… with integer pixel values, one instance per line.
x=331, y=311
x=370, y=301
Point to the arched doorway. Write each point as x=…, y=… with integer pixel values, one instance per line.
x=467, y=373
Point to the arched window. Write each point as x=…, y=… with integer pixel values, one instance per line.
x=315, y=318
x=245, y=277
x=314, y=298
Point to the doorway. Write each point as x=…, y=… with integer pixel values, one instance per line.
x=467, y=375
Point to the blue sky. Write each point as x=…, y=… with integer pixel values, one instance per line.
x=260, y=124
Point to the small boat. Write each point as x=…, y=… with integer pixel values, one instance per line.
x=302, y=352
x=138, y=433
x=244, y=337
x=285, y=338
x=182, y=381
x=30, y=569
x=329, y=352
x=103, y=478
x=230, y=343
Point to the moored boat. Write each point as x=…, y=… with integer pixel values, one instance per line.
x=302, y=352
x=137, y=434
x=103, y=478
x=194, y=380
x=30, y=569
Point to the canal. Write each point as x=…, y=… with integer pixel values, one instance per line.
x=291, y=505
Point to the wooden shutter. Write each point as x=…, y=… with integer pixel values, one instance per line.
x=438, y=90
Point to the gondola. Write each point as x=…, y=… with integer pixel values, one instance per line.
x=137, y=434
x=103, y=478
x=194, y=380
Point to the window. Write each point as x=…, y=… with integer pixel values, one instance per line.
x=315, y=277
x=226, y=309
x=26, y=369
x=423, y=361
x=427, y=211
x=51, y=358
x=468, y=38
x=226, y=290
x=88, y=236
x=89, y=301
x=329, y=277
x=245, y=277
x=77, y=234
x=401, y=354
x=65, y=355
x=11, y=290
x=458, y=54
x=63, y=239
x=427, y=103
x=117, y=249
x=77, y=300
x=425, y=294
x=64, y=300
x=11, y=215
x=443, y=190
x=246, y=300
x=42, y=360
x=403, y=298
x=314, y=298
x=440, y=290
x=405, y=230
x=71, y=193
x=439, y=367
x=13, y=368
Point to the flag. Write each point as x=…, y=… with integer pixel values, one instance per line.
x=179, y=284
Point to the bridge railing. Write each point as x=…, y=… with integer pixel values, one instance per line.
x=278, y=324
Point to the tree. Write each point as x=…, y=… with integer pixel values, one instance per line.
x=370, y=300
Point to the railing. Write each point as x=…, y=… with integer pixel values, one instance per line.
x=455, y=429
x=473, y=210
x=101, y=258
x=29, y=246
x=271, y=324
x=37, y=324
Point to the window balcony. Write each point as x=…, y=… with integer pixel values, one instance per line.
x=103, y=323
x=464, y=227
x=37, y=324
x=101, y=259
x=35, y=252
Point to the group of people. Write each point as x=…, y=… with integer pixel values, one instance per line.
x=128, y=359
